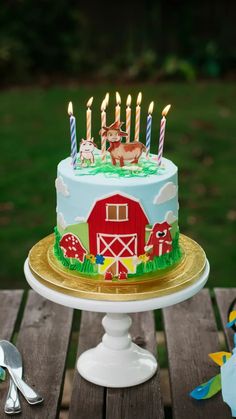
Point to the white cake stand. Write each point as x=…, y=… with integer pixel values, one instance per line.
x=116, y=361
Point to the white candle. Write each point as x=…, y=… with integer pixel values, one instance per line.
x=117, y=109
x=103, y=124
x=149, y=129
x=72, y=135
x=107, y=99
x=137, y=117
x=89, y=119
x=162, y=134
x=128, y=118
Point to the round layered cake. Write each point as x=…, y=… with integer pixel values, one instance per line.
x=117, y=222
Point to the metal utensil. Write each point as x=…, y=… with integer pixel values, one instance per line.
x=10, y=358
x=12, y=404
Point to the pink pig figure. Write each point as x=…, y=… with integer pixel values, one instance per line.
x=86, y=151
x=160, y=240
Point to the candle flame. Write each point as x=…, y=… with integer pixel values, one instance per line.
x=107, y=99
x=89, y=103
x=150, y=109
x=128, y=101
x=139, y=98
x=70, y=108
x=166, y=110
x=118, y=98
x=103, y=105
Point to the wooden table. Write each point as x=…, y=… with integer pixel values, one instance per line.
x=42, y=332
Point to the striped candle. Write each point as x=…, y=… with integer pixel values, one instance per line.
x=128, y=118
x=137, y=117
x=89, y=119
x=162, y=134
x=117, y=109
x=72, y=135
x=149, y=129
x=103, y=124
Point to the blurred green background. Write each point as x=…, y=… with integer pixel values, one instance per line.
x=175, y=52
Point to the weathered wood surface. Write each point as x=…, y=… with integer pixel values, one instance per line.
x=224, y=298
x=43, y=342
x=10, y=302
x=9, y=307
x=142, y=401
x=191, y=334
x=87, y=399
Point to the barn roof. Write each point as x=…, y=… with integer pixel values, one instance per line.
x=120, y=194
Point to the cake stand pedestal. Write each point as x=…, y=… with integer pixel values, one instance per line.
x=116, y=361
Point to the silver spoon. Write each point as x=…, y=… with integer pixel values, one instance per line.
x=10, y=358
x=12, y=404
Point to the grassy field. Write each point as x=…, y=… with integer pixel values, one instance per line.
x=200, y=139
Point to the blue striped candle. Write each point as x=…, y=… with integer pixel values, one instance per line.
x=149, y=129
x=72, y=135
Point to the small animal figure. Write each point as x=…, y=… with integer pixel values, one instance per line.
x=160, y=241
x=121, y=152
x=86, y=152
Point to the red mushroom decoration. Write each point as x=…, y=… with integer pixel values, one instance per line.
x=108, y=276
x=72, y=247
x=122, y=275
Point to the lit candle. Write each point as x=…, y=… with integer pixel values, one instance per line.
x=107, y=99
x=128, y=118
x=72, y=135
x=137, y=117
x=89, y=118
x=149, y=128
x=162, y=134
x=103, y=124
x=117, y=110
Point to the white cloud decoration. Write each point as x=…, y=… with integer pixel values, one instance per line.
x=61, y=220
x=61, y=186
x=80, y=219
x=167, y=192
x=170, y=217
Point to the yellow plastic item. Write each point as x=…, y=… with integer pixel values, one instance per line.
x=217, y=357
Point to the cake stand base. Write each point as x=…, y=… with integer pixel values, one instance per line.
x=117, y=361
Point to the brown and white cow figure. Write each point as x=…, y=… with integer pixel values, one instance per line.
x=119, y=151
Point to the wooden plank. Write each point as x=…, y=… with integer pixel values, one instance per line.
x=142, y=401
x=10, y=304
x=43, y=342
x=87, y=399
x=191, y=334
x=224, y=298
x=9, y=309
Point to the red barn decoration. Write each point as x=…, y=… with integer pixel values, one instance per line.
x=72, y=247
x=160, y=240
x=117, y=232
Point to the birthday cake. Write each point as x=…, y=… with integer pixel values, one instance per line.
x=117, y=207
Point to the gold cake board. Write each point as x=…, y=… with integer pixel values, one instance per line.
x=49, y=272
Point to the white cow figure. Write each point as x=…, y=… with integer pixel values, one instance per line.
x=86, y=151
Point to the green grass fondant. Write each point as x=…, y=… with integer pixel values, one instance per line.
x=143, y=169
x=160, y=262
x=73, y=264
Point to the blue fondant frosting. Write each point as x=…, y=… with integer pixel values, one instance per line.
x=158, y=193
